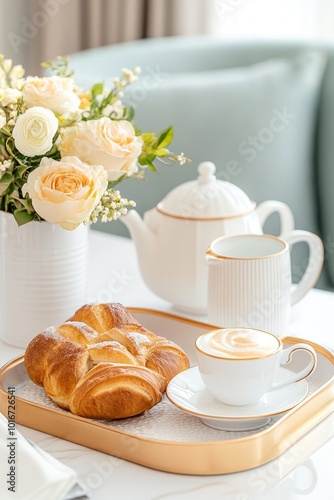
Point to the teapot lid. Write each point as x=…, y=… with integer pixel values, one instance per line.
x=206, y=198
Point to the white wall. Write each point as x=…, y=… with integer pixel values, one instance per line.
x=311, y=19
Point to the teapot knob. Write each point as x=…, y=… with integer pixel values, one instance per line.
x=206, y=171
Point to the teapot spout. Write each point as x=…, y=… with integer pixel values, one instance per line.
x=145, y=242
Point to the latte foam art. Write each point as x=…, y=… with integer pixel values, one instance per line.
x=237, y=343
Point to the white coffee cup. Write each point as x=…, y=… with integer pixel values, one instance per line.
x=239, y=365
x=249, y=279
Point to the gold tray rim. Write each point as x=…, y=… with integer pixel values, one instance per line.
x=199, y=458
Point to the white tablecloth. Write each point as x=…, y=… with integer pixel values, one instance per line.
x=114, y=276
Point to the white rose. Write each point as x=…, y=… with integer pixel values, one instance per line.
x=65, y=192
x=54, y=92
x=106, y=142
x=34, y=131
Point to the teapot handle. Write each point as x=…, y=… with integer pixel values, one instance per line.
x=269, y=207
x=314, y=265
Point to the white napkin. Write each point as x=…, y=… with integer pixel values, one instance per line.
x=32, y=473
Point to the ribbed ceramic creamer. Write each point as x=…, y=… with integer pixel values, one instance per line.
x=249, y=282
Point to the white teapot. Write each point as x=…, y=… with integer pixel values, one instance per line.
x=172, y=240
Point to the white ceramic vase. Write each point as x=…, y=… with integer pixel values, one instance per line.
x=43, y=272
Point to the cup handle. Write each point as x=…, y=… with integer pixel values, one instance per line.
x=315, y=262
x=286, y=356
x=287, y=222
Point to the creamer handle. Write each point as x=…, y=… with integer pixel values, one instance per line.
x=314, y=265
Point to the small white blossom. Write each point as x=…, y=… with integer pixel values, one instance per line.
x=181, y=159
x=5, y=165
x=126, y=71
x=108, y=110
x=7, y=65
x=16, y=73
x=69, y=117
x=111, y=207
x=17, y=83
x=129, y=75
x=10, y=96
x=116, y=109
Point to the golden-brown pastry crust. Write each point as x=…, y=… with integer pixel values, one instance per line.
x=66, y=365
x=36, y=353
x=133, y=390
x=166, y=358
x=104, y=317
x=102, y=363
x=110, y=352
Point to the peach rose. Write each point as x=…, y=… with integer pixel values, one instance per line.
x=34, y=131
x=53, y=92
x=65, y=192
x=106, y=142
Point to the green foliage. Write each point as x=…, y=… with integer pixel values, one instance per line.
x=155, y=146
x=23, y=216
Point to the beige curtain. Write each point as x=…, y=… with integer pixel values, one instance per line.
x=177, y=17
x=67, y=26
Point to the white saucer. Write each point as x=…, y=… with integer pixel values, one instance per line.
x=188, y=392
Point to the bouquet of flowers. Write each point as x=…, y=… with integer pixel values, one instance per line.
x=63, y=149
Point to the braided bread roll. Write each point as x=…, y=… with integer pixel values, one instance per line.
x=116, y=323
x=102, y=363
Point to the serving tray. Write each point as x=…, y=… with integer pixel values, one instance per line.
x=165, y=438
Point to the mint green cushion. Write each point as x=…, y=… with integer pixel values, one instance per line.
x=255, y=123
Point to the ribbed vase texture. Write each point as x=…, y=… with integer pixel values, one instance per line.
x=42, y=275
x=251, y=293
